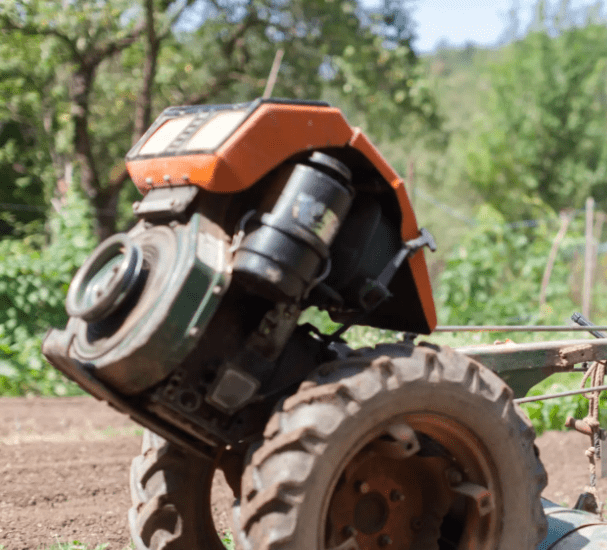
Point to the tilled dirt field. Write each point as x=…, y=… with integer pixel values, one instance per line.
x=64, y=467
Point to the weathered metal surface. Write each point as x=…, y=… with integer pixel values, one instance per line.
x=383, y=502
x=524, y=365
x=572, y=529
x=56, y=345
x=166, y=202
x=520, y=328
x=148, y=337
x=561, y=354
x=582, y=427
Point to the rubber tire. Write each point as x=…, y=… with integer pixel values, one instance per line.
x=171, y=496
x=290, y=476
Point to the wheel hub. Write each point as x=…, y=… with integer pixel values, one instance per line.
x=371, y=513
x=399, y=493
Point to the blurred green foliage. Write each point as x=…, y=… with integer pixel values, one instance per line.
x=34, y=277
x=494, y=275
x=551, y=414
x=539, y=137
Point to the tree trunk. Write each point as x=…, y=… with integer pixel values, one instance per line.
x=104, y=204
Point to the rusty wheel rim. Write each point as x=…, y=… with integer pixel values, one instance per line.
x=421, y=480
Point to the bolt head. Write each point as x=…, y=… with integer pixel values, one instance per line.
x=396, y=496
x=362, y=487
x=384, y=540
x=454, y=476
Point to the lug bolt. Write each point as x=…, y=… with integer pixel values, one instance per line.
x=454, y=476
x=384, y=540
x=362, y=487
x=396, y=496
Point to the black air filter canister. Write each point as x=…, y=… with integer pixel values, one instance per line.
x=282, y=258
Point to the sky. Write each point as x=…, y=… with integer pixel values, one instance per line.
x=454, y=22
x=482, y=22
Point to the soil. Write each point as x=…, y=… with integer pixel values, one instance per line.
x=64, y=466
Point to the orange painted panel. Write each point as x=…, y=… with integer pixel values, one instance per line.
x=273, y=133
x=409, y=228
x=182, y=170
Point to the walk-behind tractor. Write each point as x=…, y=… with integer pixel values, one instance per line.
x=189, y=323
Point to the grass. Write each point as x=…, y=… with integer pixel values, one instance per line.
x=227, y=539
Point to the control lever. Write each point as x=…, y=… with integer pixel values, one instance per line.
x=580, y=320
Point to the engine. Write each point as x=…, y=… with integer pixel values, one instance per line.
x=190, y=321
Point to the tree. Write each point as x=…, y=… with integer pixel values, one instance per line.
x=22, y=200
x=360, y=57
x=98, y=71
x=73, y=43
x=541, y=138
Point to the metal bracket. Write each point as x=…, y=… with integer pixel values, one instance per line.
x=375, y=291
x=166, y=202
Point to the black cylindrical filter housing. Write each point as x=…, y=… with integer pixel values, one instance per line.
x=281, y=259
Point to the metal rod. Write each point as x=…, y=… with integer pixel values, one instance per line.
x=273, y=74
x=556, y=395
x=517, y=328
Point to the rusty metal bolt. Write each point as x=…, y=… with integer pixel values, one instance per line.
x=396, y=496
x=454, y=476
x=362, y=487
x=384, y=540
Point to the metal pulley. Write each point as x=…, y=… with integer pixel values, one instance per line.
x=140, y=303
x=105, y=280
